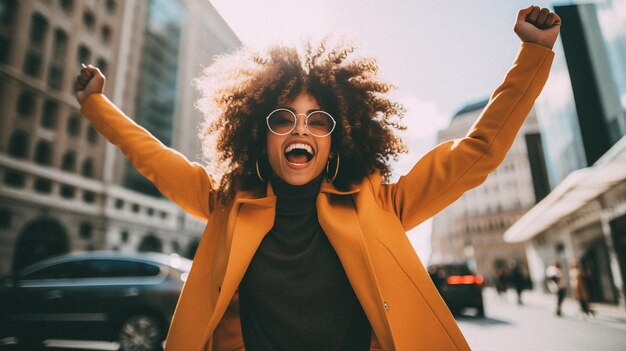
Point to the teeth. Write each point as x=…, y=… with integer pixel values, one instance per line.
x=306, y=147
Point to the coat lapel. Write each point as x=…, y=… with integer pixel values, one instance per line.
x=254, y=217
x=339, y=220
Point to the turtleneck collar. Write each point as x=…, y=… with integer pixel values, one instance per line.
x=295, y=195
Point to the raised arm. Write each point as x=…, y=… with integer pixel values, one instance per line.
x=184, y=182
x=453, y=167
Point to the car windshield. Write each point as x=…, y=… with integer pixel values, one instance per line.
x=456, y=269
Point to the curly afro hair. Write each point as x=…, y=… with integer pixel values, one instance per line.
x=239, y=90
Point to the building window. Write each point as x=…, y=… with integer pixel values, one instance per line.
x=150, y=211
x=105, y=34
x=124, y=236
x=92, y=135
x=5, y=218
x=55, y=76
x=43, y=185
x=32, y=63
x=5, y=48
x=111, y=5
x=8, y=12
x=84, y=55
x=43, y=153
x=18, y=144
x=38, y=29
x=26, y=104
x=102, y=64
x=50, y=114
x=135, y=208
x=73, y=125
x=87, y=168
x=89, y=20
x=85, y=230
x=14, y=178
x=89, y=197
x=67, y=191
x=67, y=5
x=69, y=161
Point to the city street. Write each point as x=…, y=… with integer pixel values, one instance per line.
x=534, y=326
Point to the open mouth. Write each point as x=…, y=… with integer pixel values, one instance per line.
x=299, y=153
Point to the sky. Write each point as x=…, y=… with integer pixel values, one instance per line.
x=441, y=55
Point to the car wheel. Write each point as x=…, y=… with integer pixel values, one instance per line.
x=140, y=332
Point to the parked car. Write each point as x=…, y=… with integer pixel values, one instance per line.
x=459, y=286
x=104, y=296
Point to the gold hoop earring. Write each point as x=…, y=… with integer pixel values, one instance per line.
x=258, y=173
x=331, y=179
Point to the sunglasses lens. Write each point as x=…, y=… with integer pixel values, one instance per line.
x=281, y=121
x=320, y=124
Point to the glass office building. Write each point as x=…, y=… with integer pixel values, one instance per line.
x=158, y=81
x=558, y=121
x=582, y=110
x=612, y=20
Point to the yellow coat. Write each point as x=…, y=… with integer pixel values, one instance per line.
x=366, y=225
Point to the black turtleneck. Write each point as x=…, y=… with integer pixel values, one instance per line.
x=295, y=294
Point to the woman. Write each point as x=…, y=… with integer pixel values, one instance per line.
x=305, y=244
x=580, y=292
x=556, y=284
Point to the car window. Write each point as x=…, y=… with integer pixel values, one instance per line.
x=450, y=269
x=64, y=270
x=95, y=268
x=124, y=268
x=457, y=270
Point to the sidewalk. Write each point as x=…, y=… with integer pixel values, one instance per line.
x=607, y=313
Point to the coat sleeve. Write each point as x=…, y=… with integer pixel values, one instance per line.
x=184, y=182
x=455, y=166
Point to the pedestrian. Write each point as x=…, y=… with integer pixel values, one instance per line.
x=519, y=280
x=557, y=284
x=305, y=245
x=580, y=291
x=501, y=281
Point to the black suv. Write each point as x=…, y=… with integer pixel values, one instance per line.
x=459, y=286
x=107, y=296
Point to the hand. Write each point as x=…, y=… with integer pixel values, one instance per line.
x=537, y=25
x=89, y=81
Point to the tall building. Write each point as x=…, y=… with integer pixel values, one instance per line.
x=62, y=186
x=582, y=114
x=471, y=228
x=581, y=110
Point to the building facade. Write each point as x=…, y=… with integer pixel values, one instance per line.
x=583, y=119
x=471, y=228
x=62, y=186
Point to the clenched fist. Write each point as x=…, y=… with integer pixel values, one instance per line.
x=89, y=81
x=537, y=25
